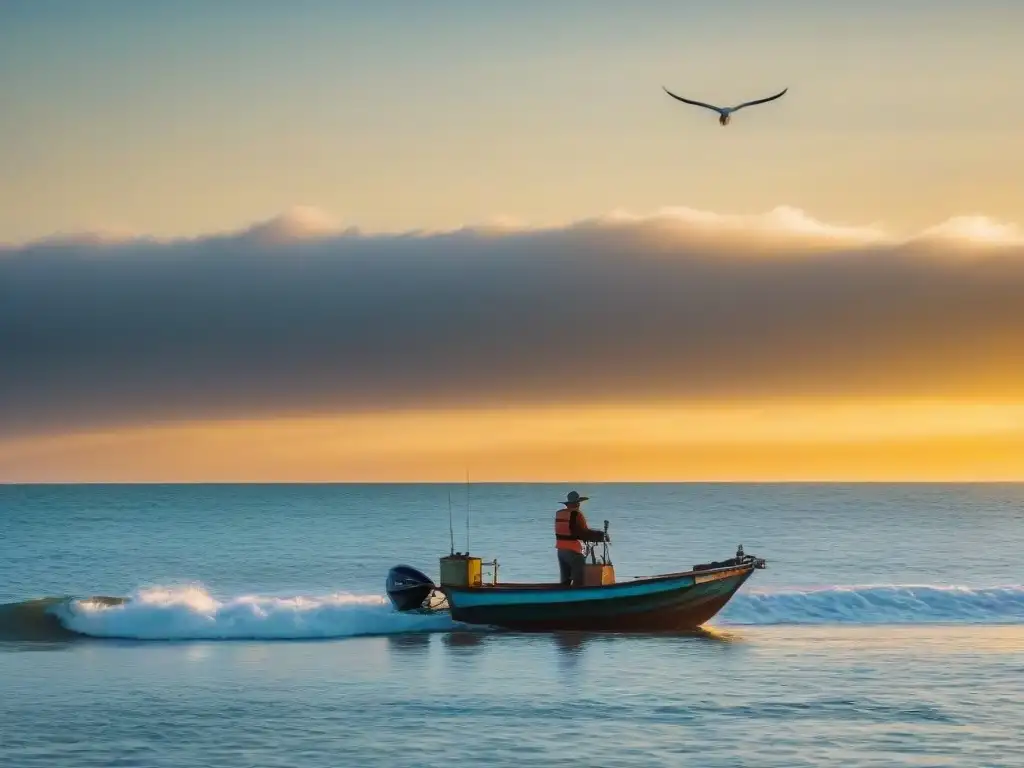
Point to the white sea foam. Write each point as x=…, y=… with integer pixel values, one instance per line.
x=888, y=604
x=191, y=613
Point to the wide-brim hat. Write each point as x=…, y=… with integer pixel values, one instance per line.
x=575, y=498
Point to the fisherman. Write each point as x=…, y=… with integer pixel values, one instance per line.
x=570, y=529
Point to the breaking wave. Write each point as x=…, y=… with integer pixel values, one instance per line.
x=192, y=613
x=877, y=605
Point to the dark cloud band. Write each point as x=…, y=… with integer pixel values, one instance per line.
x=95, y=333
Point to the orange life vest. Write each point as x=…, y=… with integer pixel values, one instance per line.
x=564, y=538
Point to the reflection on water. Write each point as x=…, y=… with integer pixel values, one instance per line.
x=463, y=640
x=411, y=642
x=26, y=646
x=571, y=643
x=567, y=643
x=571, y=647
x=718, y=635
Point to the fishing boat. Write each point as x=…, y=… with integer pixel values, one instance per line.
x=666, y=602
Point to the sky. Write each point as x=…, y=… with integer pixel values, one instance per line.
x=333, y=241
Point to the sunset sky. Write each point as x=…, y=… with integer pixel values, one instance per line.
x=319, y=241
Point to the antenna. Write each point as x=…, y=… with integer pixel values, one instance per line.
x=467, y=510
x=451, y=530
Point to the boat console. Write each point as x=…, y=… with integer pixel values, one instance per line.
x=597, y=574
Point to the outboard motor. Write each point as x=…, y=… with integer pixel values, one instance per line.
x=408, y=589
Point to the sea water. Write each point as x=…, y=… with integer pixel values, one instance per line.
x=888, y=629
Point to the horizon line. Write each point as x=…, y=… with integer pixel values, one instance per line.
x=1019, y=481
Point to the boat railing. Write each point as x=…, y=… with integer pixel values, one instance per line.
x=741, y=560
x=493, y=565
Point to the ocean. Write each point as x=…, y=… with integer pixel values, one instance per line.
x=887, y=629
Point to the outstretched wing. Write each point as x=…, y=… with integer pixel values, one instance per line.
x=761, y=101
x=690, y=101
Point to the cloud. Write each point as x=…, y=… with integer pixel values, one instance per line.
x=783, y=221
x=975, y=230
x=299, y=315
x=297, y=223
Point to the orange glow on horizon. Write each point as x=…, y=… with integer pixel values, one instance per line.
x=770, y=441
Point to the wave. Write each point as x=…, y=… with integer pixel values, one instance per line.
x=33, y=620
x=192, y=613
x=873, y=605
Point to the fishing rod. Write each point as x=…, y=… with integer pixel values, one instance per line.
x=451, y=529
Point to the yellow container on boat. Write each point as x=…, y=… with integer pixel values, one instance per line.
x=597, y=574
x=460, y=570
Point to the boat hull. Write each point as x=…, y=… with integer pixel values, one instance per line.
x=668, y=603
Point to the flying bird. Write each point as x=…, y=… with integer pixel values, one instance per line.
x=725, y=112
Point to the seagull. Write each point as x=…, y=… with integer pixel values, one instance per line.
x=725, y=112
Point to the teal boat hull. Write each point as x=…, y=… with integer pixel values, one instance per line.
x=673, y=602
